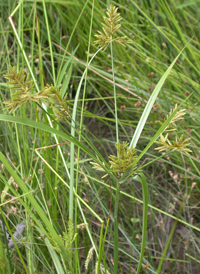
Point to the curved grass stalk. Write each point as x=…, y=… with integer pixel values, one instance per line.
x=116, y=245
x=71, y=205
x=50, y=43
x=59, y=75
x=150, y=103
x=73, y=125
x=141, y=178
x=80, y=137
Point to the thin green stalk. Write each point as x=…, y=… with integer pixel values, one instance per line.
x=80, y=134
x=55, y=186
x=50, y=43
x=193, y=258
x=116, y=244
x=33, y=36
x=142, y=180
x=20, y=27
x=115, y=95
x=73, y=125
x=17, y=7
x=100, y=247
x=105, y=234
x=70, y=38
x=107, y=225
x=41, y=76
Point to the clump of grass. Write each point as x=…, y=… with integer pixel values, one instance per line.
x=138, y=71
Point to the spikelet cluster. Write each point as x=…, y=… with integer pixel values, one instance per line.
x=89, y=257
x=177, y=117
x=67, y=239
x=19, y=82
x=110, y=26
x=102, y=269
x=23, y=87
x=81, y=226
x=58, y=104
x=122, y=162
x=164, y=144
x=178, y=145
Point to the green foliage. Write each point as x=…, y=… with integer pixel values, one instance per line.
x=41, y=36
x=4, y=261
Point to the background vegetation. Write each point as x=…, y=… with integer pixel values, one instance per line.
x=56, y=39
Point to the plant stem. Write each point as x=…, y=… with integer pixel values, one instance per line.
x=73, y=126
x=100, y=248
x=116, y=229
x=141, y=178
x=115, y=95
x=118, y=185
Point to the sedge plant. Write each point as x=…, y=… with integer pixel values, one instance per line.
x=122, y=166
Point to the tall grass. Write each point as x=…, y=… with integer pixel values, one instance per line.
x=76, y=221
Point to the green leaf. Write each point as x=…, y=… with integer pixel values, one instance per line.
x=62, y=73
x=150, y=104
